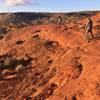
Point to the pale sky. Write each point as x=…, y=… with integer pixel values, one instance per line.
x=48, y=5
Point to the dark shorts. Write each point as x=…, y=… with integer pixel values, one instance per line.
x=89, y=30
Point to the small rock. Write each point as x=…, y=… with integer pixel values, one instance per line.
x=5, y=72
x=26, y=58
x=35, y=36
x=19, y=67
x=8, y=62
x=55, y=43
x=19, y=42
x=50, y=61
x=37, y=31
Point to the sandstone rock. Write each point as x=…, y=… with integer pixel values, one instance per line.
x=6, y=72
x=19, y=67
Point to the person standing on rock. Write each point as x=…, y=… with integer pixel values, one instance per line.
x=59, y=20
x=89, y=27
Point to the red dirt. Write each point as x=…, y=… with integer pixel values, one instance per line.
x=63, y=65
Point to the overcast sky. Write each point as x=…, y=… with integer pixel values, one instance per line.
x=48, y=5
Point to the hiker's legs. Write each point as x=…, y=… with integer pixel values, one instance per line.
x=89, y=32
x=86, y=34
x=92, y=34
x=59, y=22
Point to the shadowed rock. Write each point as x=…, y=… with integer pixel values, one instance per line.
x=19, y=42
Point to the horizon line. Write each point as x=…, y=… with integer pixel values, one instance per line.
x=50, y=11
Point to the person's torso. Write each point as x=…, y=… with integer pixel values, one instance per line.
x=90, y=24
